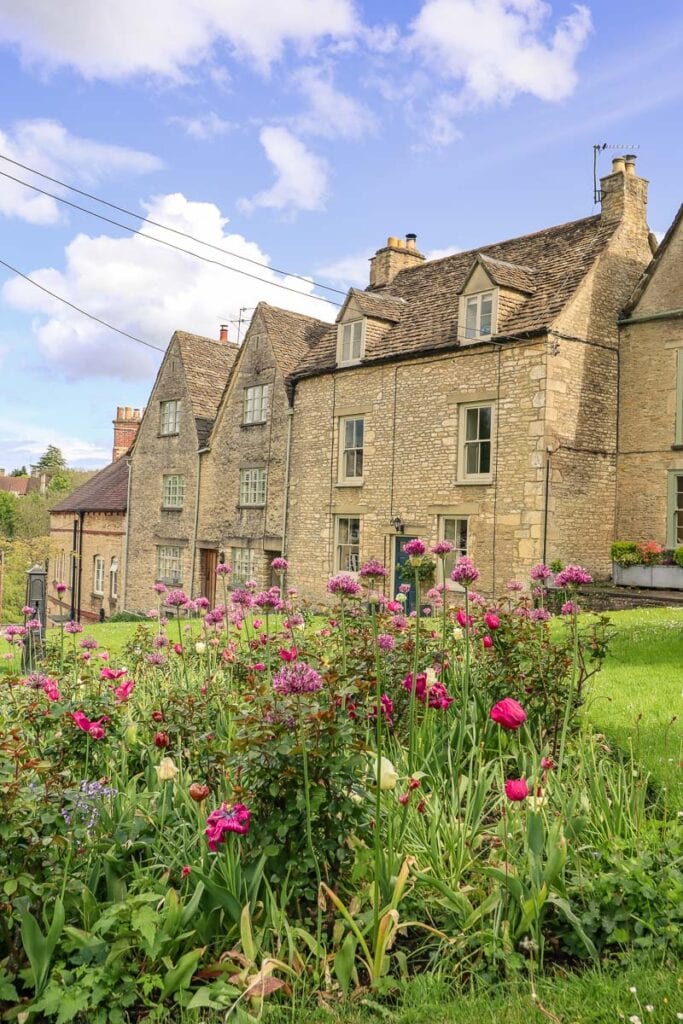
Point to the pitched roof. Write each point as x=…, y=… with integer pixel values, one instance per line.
x=509, y=275
x=207, y=364
x=106, y=491
x=19, y=485
x=290, y=334
x=557, y=259
x=380, y=305
x=653, y=264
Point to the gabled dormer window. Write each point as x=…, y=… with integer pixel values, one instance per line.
x=478, y=312
x=350, y=342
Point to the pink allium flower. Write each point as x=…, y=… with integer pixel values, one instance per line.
x=223, y=569
x=88, y=643
x=104, y=655
x=386, y=642
x=251, y=585
x=202, y=604
x=269, y=600
x=344, y=585
x=176, y=598
x=242, y=598
x=11, y=632
x=465, y=572
x=155, y=659
x=153, y=613
x=404, y=588
x=112, y=674
x=226, y=819
x=399, y=622
x=190, y=607
x=538, y=592
x=570, y=608
x=61, y=587
x=160, y=640
x=442, y=548
x=516, y=789
x=73, y=627
x=539, y=614
x=279, y=564
x=514, y=585
x=372, y=569
x=160, y=588
x=509, y=713
x=124, y=691
x=541, y=572
x=294, y=620
x=296, y=678
x=33, y=624
x=487, y=641
x=27, y=610
x=415, y=548
x=492, y=621
x=573, y=576
x=394, y=606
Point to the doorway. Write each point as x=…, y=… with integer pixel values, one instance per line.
x=208, y=560
x=400, y=559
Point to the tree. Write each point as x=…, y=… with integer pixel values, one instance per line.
x=8, y=514
x=51, y=461
x=19, y=472
x=32, y=517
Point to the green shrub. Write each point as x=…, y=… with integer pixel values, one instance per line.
x=127, y=617
x=678, y=556
x=625, y=552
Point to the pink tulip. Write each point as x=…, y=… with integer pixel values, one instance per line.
x=487, y=641
x=124, y=691
x=492, y=621
x=112, y=674
x=508, y=713
x=93, y=728
x=517, y=789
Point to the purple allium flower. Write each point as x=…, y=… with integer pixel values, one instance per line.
x=514, y=585
x=89, y=643
x=541, y=572
x=155, y=659
x=61, y=587
x=279, y=564
x=415, y=548
x=296, y=619
x=442, y=548
x=269, y=599
x=202, y=603
x=160, y=640
x=372, y=569
x=73, y=627
x=33, y=624
x=573, y=576
x=465, y=572
x=569, y=608
x=539, y=614
x=27, y=610
x=251, y=585
x=296, y=677
x=242, y=598
x=176, y=598
x=385, y=642
x=399, y=622
x=190, y=607
x=223, y=569
x=344, y=585
x=538, y=592
x=153, y=613
x=404, y=588
x=160, y=588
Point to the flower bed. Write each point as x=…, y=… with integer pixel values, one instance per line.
x=647, y=565
x=286, y=810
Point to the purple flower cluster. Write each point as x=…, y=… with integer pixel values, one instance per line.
x=156, y=659
x=176, y=598
x=269, y=599
x=73, y=627
x=465, y=572
x=386, y=642
x=344, y=585
x=573, y=576
x=372, y=569
x=514, y=585
x=279, y=564
x=415, y=548
x=223, y=569
x=85, y=807
x=442, y=548
x=89, y=643
x=541, y=572
x=242, y=598
x=296, y=677
x=234, y=819
x=539, y=614
x=569, y=608
x=160, y=588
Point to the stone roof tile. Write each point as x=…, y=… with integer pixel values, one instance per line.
x=106, y=491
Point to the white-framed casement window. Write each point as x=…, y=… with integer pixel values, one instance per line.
x=255, y=408
x=347, y=544
x=169, y=564
x=351, y=433
x=253, y=487
x=478, y=315
x=173, y=491
x=242, y=564
x=679, y=396
x=169, y=416
x=350, y=342
x=456, y=530
x=114, y=578
x=98, y=575
x=675, y=528
x=475, y=443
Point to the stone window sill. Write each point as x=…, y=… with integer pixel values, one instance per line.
x=481, y=481
x=172, y=433
x=677, y=447
x=252, y=506
x=171, y=508
x=254, y=423
x=349, y=483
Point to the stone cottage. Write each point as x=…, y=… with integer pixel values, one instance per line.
x=650, y=460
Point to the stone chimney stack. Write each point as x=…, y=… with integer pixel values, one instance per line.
x=396, y=255
x=126, y=426
x=223, y=336
x=623, y=195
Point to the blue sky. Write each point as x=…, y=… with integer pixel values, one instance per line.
x=300, y=135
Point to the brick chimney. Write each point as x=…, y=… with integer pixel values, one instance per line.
x=623, y=195
x=126, y=426
x=223, y=336
x=396, y=255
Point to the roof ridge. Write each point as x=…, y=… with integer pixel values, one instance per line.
x=508, y=263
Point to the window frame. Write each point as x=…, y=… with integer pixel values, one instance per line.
x=165, y=405
x=338, y=544
x=351, y=361
x=258, y=489
x=98, y=575
x=458, y=551
x=179, y=504
x=262, y=405
x=174, y=579
x=342, y=477
x=674, y=511
x=463, y=477
x=238, y=557
x=679, y=398
x=114, y=578
x=478, y=297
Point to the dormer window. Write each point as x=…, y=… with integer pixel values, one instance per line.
x=350, y=342
x=478, y=318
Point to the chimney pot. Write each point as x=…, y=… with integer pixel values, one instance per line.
x=618, y=165
x=630, y=162
x=392, y=242
x=411, y=241
x=119, y=412
x=127, y=412
x=223, y=336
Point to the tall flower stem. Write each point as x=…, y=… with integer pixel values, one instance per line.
x=413, y=689
x=377, y=837
x=309, y=828
x=466, y=678
x=342, y=616
x=572, y=690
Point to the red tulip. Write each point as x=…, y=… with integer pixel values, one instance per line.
x=198, y=792
x=161, y=739
x=487, y=641
x=517, y=789
x=508, y=713
x=158, y=716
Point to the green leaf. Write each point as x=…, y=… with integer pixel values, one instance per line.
x=180, y=976
x=535, y=833
x=145, y=921
x=344, y=961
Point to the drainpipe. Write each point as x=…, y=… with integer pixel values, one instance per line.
x=126, y=536
x=290, y=417
x=74, y=549
x=81, y=516
x=546, y=501
x=195, y=527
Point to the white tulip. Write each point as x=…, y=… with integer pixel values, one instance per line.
x=200, y=647
x=388, y=776
x=166, y=770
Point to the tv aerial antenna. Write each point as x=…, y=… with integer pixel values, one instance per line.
x=599, y=148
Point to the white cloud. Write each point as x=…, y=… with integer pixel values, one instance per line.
x=301, y=176
x=148, y=291
x=165, y=37
x=204, y=126
x=50, y=147
x=494, y=50
x=26, y=441
x=330, y=113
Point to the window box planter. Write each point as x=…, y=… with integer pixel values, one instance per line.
x=659, y=577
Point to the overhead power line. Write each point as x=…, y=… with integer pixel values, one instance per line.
x=84, y=312
x=165, y=227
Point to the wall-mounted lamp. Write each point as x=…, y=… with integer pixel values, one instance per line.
x=398, y=524
x=221, y=557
